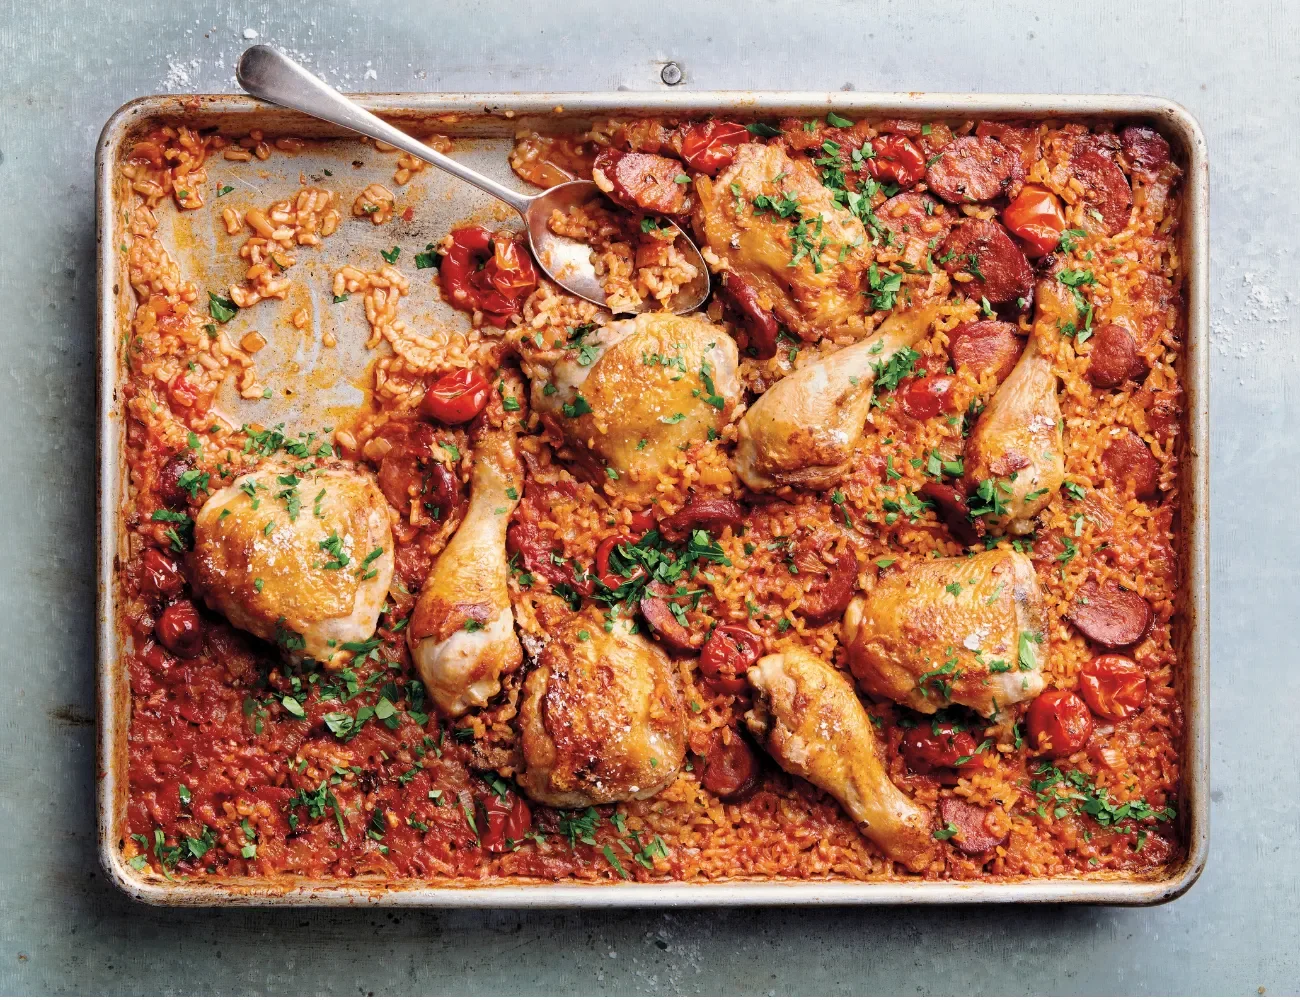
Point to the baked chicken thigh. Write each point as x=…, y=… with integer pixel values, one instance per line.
x=809, y=718
x=631, y=395
x=803, y=430
x=602, y=718
x=970, y=631
x=302, y=559
x=770, y=220
x=462, y=631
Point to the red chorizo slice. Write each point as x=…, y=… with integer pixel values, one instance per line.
x=987, y=345
x=659, y=615
x=1114, y=358
x=1128, y=459
x=1017, y=136
x=925, y=398
x=973, y=169
x=642, y=182
x=971, y=821
x=759, y=323
x=998, y=269
x=1146, y=150
x=1109, y=615
x=711, y=513
x=915, y=216
x=828, y=599
x=1108, y=193
x=730, y=766
x=953, y=510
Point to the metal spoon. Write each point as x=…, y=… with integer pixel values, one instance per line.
x=268, y=74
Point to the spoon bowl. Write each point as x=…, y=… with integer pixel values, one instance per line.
x=270, y=75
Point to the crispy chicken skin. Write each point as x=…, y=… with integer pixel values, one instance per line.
x=1018, y=442
x=949, y=632
x=602, y=718
x=810, y=299
x=266, y=560
x=803, y=430
x=649, y=386
x=809, y=718
x=462, y=632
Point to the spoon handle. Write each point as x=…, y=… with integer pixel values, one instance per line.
x=270, y=75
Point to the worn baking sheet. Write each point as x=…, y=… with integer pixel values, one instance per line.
x=310, y=386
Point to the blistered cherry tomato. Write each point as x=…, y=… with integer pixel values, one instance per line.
x=490, y=272
x=161, y=574
x=1059, y=723
x=180, y=629
x=603, y=551
x=896, y=159
x=456, y=397
x=727, y=655
x=710, y=146
x=507, y=820
x=928, y=746
x=1037, y=218
x=1113, y=686
x=642, y=521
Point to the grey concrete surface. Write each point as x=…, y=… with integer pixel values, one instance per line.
x=64, y=67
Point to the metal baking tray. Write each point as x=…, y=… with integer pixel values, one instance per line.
x=483, y=126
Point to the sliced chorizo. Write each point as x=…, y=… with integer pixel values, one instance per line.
x=656, y=609
x=973, y=169
x=1146, y=150
x=1109, y=615
x=730, y=766
x=711, y=513
x=913, y=215
x=925, y=398
x=993, y=266
x=642, y=182
x=1017, y=136
x=828, y=599
x=971, y=821
x=1107, y=190
x=953, y=510
x=1128, y=459
x=759, y=322
x=1114, y=358
x=987, y=345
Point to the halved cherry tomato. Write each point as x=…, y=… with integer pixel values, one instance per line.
x=456, y=397
x=506, y=820
x=1113, y=686
x=603, y=551
x=928, y=746
x=490, y=272
x=710, y=146
x=928, y=397
x=1037, y=218
x=727, y=655
x=1059, y=723
x=896, y=159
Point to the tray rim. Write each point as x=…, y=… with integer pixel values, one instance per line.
x=1177, y=122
